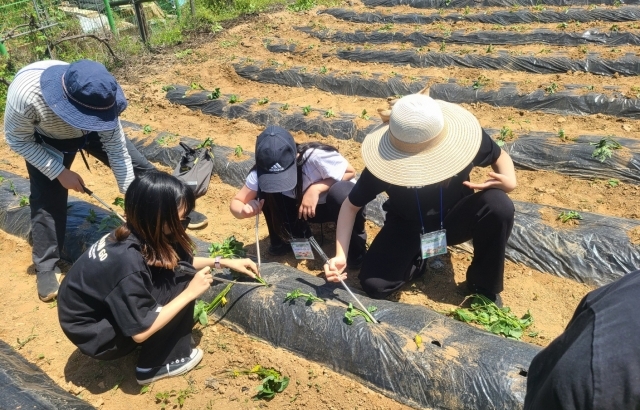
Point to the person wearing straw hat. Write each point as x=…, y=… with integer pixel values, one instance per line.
x=422, y=156
x=53, y=110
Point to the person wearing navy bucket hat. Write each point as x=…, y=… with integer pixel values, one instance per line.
x=55, y=109
x=295, y=184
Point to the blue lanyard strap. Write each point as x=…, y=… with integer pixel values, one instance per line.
x=420, y=210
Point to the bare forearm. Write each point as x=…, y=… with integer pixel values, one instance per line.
x=504, y=165
x=236, y=208
x=344, y=227
x=168, y=312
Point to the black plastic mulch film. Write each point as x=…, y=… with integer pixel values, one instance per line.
x=452, y=4
x=629, y=65
x=342, y=127
x=597, y=251
x=501, y=17
x=418, y=39
x=456, y=367
x=561, y=102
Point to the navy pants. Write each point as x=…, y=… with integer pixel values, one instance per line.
x=48, y=199
x=394, y=256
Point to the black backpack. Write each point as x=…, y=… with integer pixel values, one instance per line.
x=195, y=167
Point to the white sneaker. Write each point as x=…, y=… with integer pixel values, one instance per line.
x=175, y=368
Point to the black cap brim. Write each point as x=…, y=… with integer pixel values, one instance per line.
x=278, y=182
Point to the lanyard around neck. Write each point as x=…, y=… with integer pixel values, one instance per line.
x=420, y=210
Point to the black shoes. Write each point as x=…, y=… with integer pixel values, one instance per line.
x=175, y=368
x=47, y=283
x=198, y=220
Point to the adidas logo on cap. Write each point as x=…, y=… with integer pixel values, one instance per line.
x=276, y=168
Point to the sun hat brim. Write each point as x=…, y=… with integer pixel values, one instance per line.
x=435, y=164
x=280, y=182
x=75, y=114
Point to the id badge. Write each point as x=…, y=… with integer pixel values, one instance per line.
x=57, y=155
x=433, y=243
x=302, y=249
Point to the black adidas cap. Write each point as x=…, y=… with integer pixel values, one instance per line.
x=276, y=160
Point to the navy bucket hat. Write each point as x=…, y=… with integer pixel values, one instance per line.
x=84, y=94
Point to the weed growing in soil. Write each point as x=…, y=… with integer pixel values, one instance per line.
x=323, y=70
x=565, y=217
x=297, y=293
x=24, y=200
x=238, y=151
x=164, y=398
x=263, y=101
x=505, y=134
x=583, y=49
x=214, y=95
x=166, y=88
x=386, y=27
x=146, y=130
x=202, y=310
x=284, y=107
x=353, y=312
x=229, y=248
x=364, y=115
x=604, y=148
x=302, y=5
x=272, y=381
x=563, y=25
x=500, y=321
x=615, y=28
x=480, y=82
x=329, y=114
x=490, y=48
x=196, y=86
x=234, y=99
x=205, y=144
x=613, y=182
x=22, y=343
x=306, y=110
x=443, y=47
x=551, y=88
x=12, y=188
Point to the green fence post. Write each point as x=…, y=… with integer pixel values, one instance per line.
x=175, y=3
x=3, y=50
x=112, y=24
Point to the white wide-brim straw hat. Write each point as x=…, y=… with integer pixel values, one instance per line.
x=425, y=141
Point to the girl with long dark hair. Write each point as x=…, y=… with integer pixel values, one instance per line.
x=137, y=285
x=295, y=184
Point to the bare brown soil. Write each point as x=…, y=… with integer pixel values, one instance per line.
x=550, y=299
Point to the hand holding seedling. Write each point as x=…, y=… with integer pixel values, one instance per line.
x=70, y=180
x=246, y=266
x=334, y=270
x=252, y=208
x=200, y=283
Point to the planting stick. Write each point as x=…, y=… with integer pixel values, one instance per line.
x=258, y=240
x=90, y=192
x=323, y=255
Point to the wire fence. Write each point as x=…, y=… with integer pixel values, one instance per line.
x=32, y=30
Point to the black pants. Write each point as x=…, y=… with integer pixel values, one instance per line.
x=327, y=212
x=394, y=256
x=171, y=342
x=48, y=199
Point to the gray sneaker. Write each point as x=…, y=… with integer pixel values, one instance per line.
x=175, y=368
x=47, y=283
